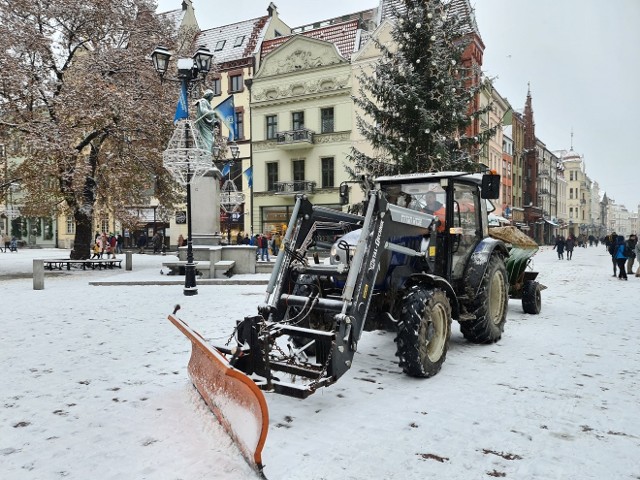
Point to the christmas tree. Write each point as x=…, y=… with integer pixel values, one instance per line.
x=417, y=103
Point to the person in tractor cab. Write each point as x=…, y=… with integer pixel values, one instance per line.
x=434, y=207
x=432, y=203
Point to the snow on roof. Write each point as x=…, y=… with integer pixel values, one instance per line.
x=461, y=8
x=342, y=35
x=234, y=41
x=173, y=16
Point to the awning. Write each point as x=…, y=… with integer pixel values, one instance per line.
x=551, y=223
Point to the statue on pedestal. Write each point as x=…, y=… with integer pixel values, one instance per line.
x=207, y=120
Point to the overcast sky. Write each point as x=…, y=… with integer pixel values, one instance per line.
x=581, y=58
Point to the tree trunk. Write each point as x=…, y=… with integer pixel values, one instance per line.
x=82, y=240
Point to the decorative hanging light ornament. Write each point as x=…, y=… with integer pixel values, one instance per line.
x=230, y=197
x=185, y=158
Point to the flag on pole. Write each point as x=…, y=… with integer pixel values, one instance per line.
x=182, y=109
x=249, y=173
x=226, y=110
x=226, y=169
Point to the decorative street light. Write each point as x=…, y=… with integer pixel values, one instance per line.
x=230, y=197
x=185, y=157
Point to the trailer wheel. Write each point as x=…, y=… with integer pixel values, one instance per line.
x=423, y=331
x=489, y=306
x=531, y=297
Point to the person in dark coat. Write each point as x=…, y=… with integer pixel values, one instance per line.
x=631, y=243
x=569, y=244
x=610, y=242
x=142, y=242
x=559, y=247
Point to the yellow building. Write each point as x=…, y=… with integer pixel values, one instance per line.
x=301, y=117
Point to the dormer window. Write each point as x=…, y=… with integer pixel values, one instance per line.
x=239, y=41
x=219, y=45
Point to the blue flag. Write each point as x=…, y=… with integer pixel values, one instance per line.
x=226, y=169
x=249, y=173
x=226, y=110
x=182, y=109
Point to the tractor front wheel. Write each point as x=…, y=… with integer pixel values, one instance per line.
x=531, y=297
x=489, y=306
x=424, y=329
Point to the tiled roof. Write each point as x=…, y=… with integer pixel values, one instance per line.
x=235, y=41
x=366, y=18
x=342, y=35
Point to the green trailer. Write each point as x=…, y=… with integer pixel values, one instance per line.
x=522, y=279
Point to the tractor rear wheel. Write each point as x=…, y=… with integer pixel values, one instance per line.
x=424, y=329
x=489, y=306
x=531, y=297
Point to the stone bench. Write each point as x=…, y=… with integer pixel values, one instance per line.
x=223, y=268
x=101, y=263
x=178, y=267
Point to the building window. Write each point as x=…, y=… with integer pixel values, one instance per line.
x=272, y=126
x=104, y=225
x=328, y=177
x=298, y=170
x=71, y=225
x=240, y=123
x=272, y=175
x=216, y=86
x=297, y=120
x=235, y=83
x=219, y=45
x=239, y=40
x=326, y=120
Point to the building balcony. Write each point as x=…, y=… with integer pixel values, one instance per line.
x=294, y=187
x=292, y=139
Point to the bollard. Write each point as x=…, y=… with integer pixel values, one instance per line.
x=129, y=261
x=38, y=274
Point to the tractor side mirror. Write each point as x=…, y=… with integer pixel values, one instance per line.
x=490, y=186
x=344, y=194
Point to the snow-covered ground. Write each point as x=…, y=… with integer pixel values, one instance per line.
x=94, y=385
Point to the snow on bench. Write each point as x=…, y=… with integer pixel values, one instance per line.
x=177, y=267
x=223, y=268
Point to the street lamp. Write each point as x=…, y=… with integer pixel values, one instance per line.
x=185, y=158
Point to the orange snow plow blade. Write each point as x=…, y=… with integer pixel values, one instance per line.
x=231, y=395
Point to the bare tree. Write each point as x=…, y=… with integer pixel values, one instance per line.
x=80, y=92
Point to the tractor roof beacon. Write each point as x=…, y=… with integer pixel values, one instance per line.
x=410, y=269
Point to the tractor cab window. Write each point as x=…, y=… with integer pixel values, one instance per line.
x=467, y=228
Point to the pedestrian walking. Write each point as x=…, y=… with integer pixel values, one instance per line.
x=119, y=243
x=611, y=243
x=7, y=241
x=637, y=252
x=264, y=247
x=559, y=247
x=569, y=244
x=631, y=242
x=142, y=242
x=620, y=254
x=276, y=243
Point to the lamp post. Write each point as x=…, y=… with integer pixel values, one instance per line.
x=185, y=157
